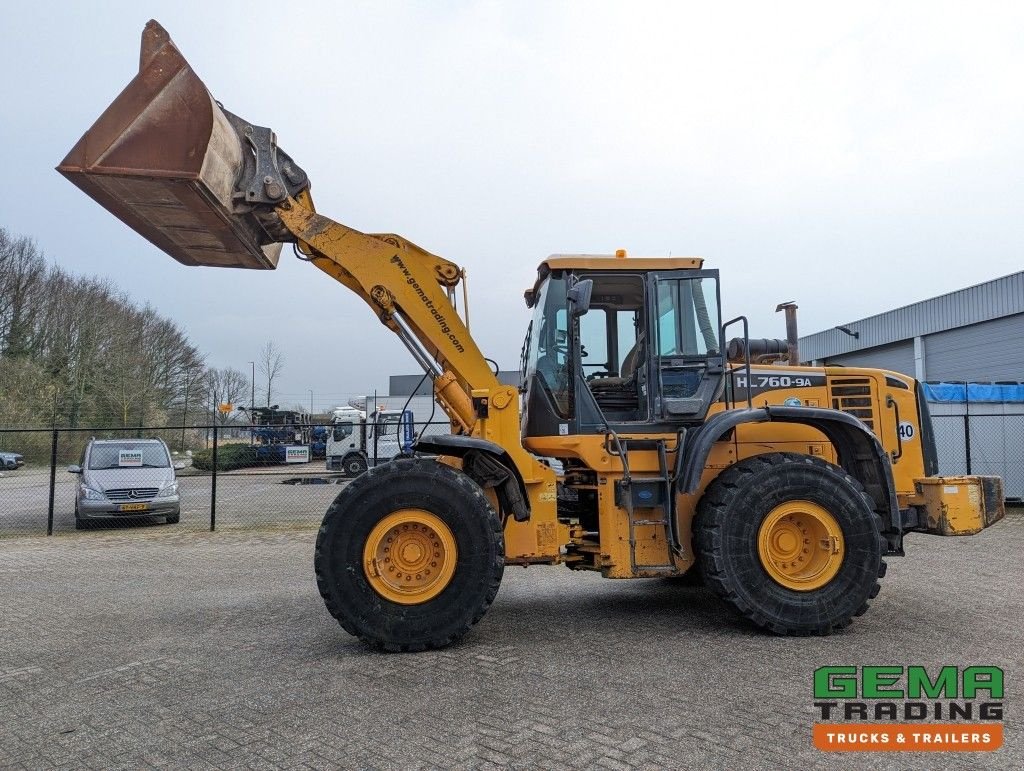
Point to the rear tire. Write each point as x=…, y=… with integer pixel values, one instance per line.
x=835, y=584
x=354, y=591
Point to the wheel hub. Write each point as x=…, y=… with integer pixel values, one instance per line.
x=800, y=545
x=410, y=556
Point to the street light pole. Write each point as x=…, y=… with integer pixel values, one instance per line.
x=252, y=398
x=311, y=401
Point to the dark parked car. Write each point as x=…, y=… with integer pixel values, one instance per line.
x=11, y=460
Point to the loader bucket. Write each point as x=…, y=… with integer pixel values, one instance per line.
x=165, y=159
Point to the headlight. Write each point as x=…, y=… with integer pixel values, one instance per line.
x=169, y=491
x=92, y=495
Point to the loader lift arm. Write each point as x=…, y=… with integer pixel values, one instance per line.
x=210, y=188
x=411, y=291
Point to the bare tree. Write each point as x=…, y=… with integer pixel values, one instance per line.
x=22, y=275
x=270, y=363
x=76, y=348
x=225, y=386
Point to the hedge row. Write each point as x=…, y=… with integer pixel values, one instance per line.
x=229, y=457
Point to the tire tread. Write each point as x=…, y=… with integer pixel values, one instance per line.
x=379, y=475
x=717, y=505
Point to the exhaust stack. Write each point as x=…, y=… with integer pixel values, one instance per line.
x=169, y=162
x=792, y=338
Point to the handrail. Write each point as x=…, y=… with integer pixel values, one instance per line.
x=731, y=382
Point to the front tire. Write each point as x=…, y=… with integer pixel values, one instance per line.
x=791, y=542
x=410, y=555
x=354, y=465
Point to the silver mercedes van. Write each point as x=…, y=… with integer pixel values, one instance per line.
x=123, y=478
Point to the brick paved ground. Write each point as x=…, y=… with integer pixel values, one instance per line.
x=134, y=648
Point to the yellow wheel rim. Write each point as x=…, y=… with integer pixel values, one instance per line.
x=800, y=545
x=410, y=556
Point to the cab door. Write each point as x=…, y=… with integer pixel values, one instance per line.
x=687, y=362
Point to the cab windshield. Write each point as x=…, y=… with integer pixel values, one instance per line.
x=547, y=351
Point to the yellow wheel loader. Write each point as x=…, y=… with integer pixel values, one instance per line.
x=635, y=447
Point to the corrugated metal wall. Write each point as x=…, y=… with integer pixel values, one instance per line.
x=991, y=300
x=990, y=351
x=898, y=357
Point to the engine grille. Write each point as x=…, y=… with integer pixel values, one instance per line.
x=852, y=395
x=132, y=493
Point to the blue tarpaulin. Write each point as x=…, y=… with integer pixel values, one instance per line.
x=960, y=393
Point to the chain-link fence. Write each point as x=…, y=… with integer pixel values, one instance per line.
x=989, y=445
x=59, y=480
x=214, y=477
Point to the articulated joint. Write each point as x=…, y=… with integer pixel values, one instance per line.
x=384, y=298
x=448, y=274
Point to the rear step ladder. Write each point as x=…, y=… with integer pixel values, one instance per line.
x=655, y=492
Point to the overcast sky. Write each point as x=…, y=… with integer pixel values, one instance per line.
x=852, y=157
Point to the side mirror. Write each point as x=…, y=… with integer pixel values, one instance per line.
x=579, y=297
x=74, y=469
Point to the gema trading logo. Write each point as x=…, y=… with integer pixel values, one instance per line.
x=896, y=708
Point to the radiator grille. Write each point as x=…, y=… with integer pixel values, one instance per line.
x=132, y=493
x=852, y=395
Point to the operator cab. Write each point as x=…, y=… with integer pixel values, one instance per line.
x=627, y=343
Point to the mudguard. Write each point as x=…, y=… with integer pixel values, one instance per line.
x=859, y=452
x=486, y=462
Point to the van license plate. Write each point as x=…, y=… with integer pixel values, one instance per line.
x=134, y=507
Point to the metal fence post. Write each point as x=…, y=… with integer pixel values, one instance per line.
x=53, y=482
x=213, y=484
x=967, y=442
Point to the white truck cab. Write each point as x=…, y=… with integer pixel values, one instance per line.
x=355, y=442
x=346, y=441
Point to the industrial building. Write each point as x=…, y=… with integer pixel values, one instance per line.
x=970, y=335
x=973, y=338
x=403, y=385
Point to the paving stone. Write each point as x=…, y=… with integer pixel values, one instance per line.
x=213, y=650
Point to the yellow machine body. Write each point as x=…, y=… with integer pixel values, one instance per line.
x=210, y=189
x=947, y=505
